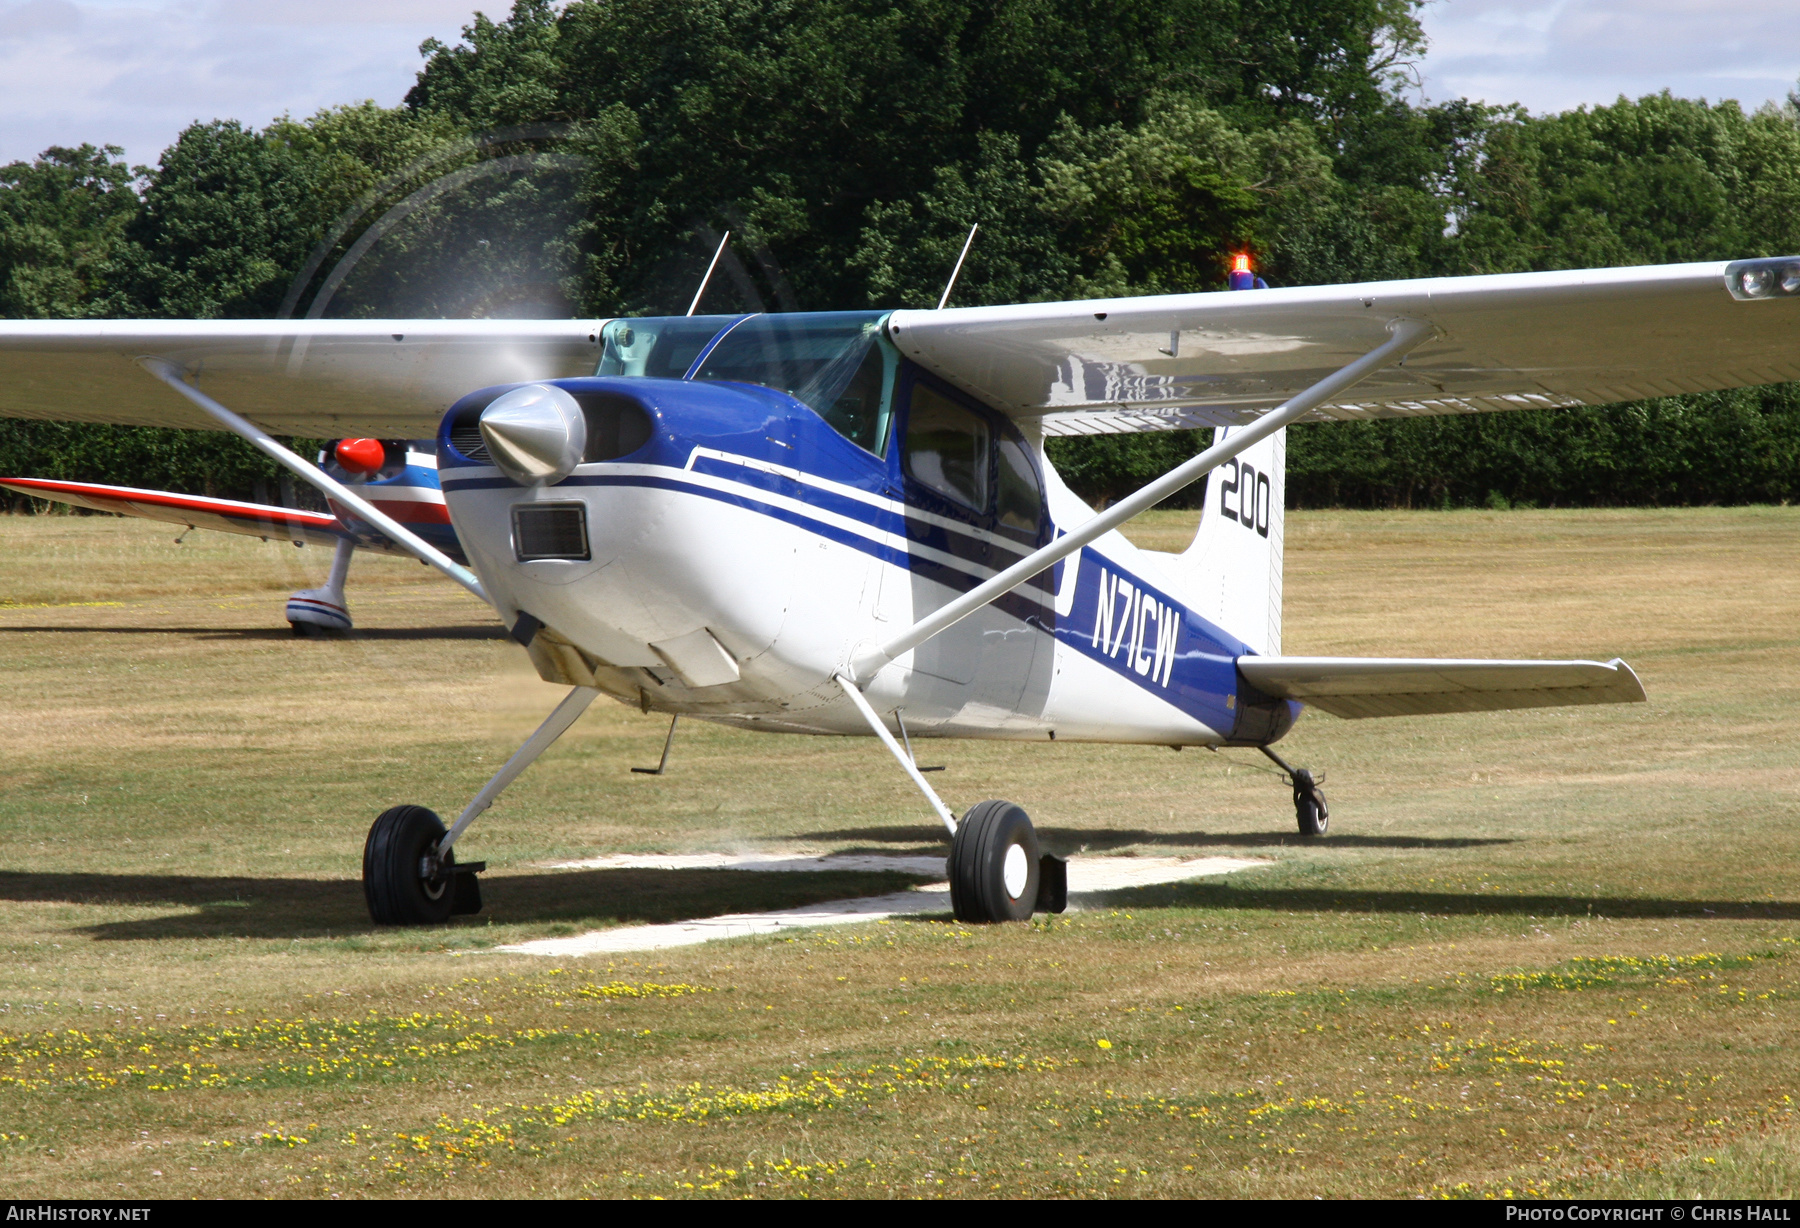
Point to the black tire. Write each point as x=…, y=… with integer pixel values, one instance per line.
x=1310, y=810
x=985, y=840
x=396, y=893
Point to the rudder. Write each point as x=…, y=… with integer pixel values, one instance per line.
x=1232, y=571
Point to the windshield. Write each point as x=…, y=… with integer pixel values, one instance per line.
x=835, y=362
x=660, y=347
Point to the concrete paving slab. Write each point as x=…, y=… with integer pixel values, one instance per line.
x=1090, y=878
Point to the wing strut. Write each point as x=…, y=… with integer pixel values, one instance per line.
x=327, y=485
x=1406, y=335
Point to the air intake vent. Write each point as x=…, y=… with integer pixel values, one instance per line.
x=465, y=437
x=616, y=425
x=463, y=429
x=550, y=531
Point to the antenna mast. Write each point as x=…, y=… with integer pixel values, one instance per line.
x=955, y=272
x=705, y=281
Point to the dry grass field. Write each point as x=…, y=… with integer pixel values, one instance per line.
x=1542, y=953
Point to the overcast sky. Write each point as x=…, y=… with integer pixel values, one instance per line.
x=1552, y=55
x=135, y=72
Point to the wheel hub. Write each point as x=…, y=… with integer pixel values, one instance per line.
x=1016, y=872
x=433, y=878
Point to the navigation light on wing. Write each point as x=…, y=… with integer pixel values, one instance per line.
x=1778, y=278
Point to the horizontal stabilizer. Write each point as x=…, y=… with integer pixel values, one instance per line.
x=1355, y=687
x=194, y=511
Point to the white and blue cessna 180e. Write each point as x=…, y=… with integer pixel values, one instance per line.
x=845, y=523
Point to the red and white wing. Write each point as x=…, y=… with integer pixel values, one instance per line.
x=194, y=511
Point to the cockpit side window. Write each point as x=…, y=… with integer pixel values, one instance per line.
x=973, y=458
x=947, y=448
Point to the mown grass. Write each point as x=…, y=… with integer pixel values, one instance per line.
x=1542, y=953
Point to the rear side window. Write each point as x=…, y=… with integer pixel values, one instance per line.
x=1021, y=503
x=947, y=448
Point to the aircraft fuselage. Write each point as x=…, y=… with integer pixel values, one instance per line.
x=743, y=551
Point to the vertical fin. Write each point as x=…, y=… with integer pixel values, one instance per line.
x=1233, y=568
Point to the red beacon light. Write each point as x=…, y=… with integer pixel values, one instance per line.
x=1243, y=277
x=361, y=455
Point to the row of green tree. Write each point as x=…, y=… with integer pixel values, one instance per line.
x=585, y=157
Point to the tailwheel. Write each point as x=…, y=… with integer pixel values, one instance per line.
x=404, y=881
x=1310, y=810
x=1309, y=805
x=993, y=867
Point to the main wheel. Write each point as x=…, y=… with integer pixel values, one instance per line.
x=1309, y=805
x=398, y=894
x=994, y=864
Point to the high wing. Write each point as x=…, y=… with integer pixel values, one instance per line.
x=1357, y=687
x=1508, y=341
x=386, y=379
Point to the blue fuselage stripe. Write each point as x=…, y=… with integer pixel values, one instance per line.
x=978, y=551
x=1019, y=605
x=1116, y=619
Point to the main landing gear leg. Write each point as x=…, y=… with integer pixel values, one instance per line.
x=314, y=610
x=410, y=874
x=1310, y=810
x=996, y=870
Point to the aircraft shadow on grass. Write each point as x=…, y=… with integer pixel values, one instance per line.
x=1238, y=896
x=333, y=908
x=274, y=633
x=244, y=907
x=1068, y=841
